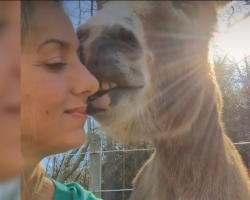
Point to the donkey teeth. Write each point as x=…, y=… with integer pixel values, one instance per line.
x=107, y=86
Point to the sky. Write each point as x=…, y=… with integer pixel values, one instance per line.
x=72, y=8
x=235, y=40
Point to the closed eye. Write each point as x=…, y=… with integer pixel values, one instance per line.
x=55, y=67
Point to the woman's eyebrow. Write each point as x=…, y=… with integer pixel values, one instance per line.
x=63, y=44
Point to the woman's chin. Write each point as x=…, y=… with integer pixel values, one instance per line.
x=11, y=170
x=77, y=138
x=74, y=139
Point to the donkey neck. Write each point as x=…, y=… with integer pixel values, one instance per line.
x=187, y=157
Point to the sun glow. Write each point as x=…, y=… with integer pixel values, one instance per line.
x=236, y=41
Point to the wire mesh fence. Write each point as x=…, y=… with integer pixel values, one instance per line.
x=132, y=150
x=109, y=173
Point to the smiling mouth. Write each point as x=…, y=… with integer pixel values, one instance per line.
x=78, y=112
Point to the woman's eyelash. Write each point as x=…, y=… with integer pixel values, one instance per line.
x=56, y=66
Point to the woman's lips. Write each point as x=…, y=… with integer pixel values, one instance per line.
x=78, y=112
x=79, y=115
x=13, y=110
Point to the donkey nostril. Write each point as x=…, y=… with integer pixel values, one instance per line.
x=124, y=35
x=128, y=37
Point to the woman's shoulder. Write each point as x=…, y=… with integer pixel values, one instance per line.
x=72, y=191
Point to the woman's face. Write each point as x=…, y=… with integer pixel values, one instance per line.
x=9, y=89
x=54, y=86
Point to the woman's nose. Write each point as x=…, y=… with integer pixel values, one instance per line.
x=84, y=81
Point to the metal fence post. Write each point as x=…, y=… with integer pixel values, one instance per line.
x=95, y=171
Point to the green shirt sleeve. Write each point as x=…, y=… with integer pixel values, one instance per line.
x=72, y=191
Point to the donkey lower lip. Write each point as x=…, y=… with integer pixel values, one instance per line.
x=91, y=110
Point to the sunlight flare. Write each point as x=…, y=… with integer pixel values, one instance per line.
x=236, y=41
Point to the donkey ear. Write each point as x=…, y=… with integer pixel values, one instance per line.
x=100, y=4
x=223, y=4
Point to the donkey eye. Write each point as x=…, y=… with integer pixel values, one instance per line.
x=190, y=8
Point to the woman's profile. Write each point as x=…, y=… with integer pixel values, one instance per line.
x=55, y=86
x=9, y=89
x=10, y=99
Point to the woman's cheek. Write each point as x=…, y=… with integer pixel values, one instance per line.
x=52, y=92
x=43, y=101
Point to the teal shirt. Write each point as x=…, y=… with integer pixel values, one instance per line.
x=72, y=191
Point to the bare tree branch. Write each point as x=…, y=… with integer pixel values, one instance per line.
x=67, y=171
x=80, y=13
